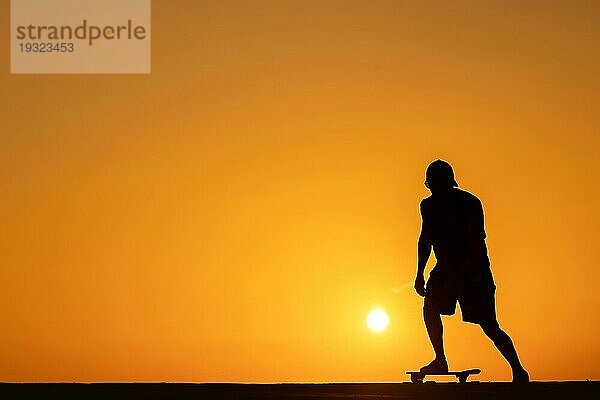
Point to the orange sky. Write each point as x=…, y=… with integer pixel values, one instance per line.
x=234, y=215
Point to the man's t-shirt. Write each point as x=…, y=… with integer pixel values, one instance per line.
x=454, y=225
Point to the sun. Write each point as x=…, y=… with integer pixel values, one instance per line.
x=377, y=320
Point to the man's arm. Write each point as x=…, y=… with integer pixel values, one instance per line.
x=476, y=232
x=424, y=251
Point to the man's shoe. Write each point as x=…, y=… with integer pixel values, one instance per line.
x=435, y=367
x=520, y=376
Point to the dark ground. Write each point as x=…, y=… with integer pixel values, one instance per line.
x=486, y=391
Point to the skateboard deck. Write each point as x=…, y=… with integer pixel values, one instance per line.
x=417, y=376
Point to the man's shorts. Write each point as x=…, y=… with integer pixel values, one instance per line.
x=474, y=294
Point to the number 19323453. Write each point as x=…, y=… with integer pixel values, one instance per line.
x=46, y=47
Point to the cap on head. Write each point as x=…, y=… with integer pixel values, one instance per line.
x=441, y=172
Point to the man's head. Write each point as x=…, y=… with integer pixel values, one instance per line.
x=440, y=177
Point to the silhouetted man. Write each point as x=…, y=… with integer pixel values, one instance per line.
x=453, y=226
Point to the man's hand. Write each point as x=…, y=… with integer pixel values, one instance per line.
x=420, y=285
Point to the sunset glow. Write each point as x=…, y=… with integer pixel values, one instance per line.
x=236, y=215
x=377, y=320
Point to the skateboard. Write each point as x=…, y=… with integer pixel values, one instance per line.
x=417, y=377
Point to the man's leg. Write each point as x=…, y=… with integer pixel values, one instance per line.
x=435, y=330
x=506, y=347
x=437, y=300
